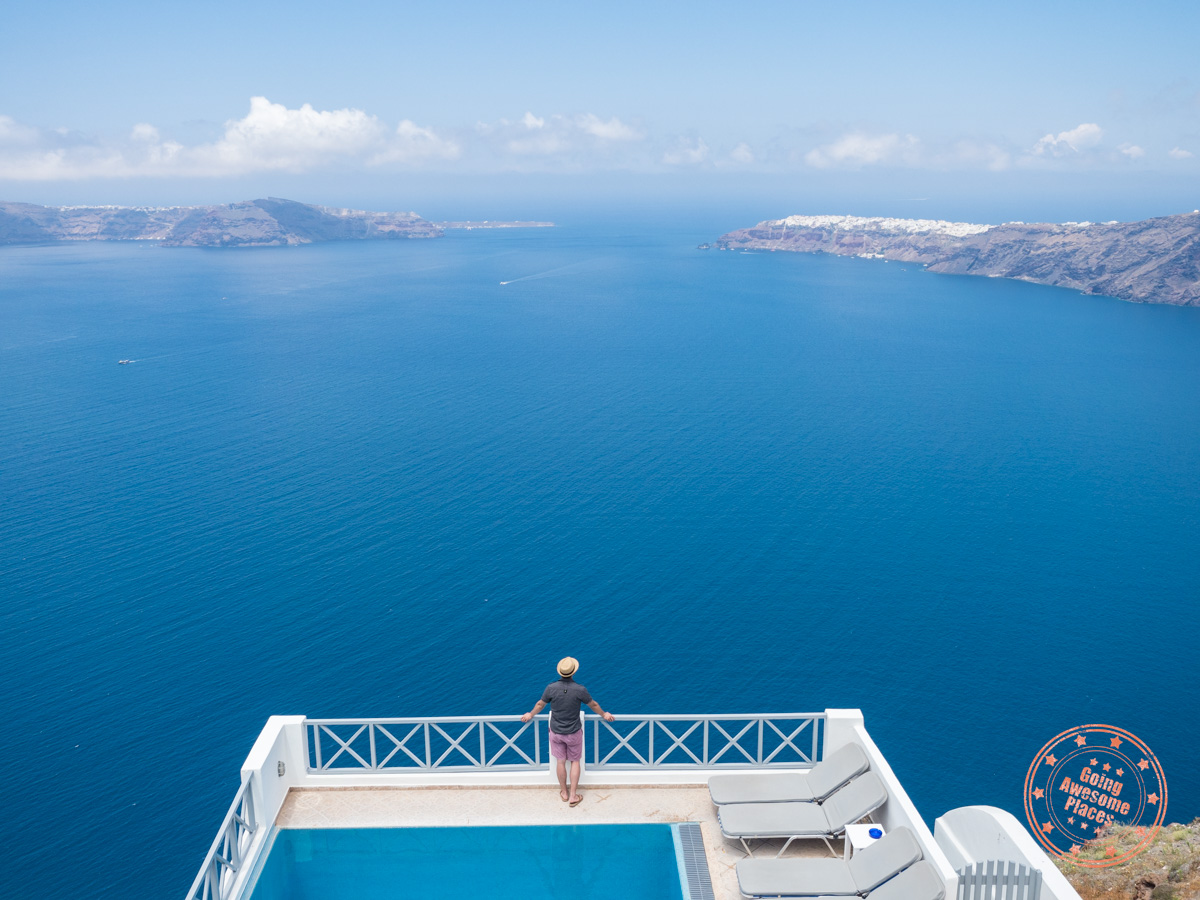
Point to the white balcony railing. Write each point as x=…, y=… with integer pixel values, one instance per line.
x=464, y=743
x=219, y=872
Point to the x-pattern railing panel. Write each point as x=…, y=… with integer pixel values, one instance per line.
x=400, y=745
x=509, y=743
x=734, y=742
x=622, y=743
x=681, y=742
x=466, y=743
x=785, y=740
x=454, y=744
x=457, y=743
x=345, y=746
x=216, y=877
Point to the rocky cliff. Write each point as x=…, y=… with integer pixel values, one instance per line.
x=1167, y=869
x=1155, y=261
x=254, y=223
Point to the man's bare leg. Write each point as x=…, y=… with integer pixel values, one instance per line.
x=562, y=778
x=574, y=781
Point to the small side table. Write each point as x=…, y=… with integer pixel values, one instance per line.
x=859, y=836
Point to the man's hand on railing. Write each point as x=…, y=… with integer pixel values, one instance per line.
x=608, y=717
x=537, y=708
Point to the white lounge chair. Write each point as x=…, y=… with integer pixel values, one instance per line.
x=918, y=882
x=864, y=871
x=794, y=820
x=817, y=783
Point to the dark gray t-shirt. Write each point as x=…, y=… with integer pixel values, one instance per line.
x=565, y=698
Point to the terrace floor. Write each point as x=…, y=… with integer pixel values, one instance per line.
x=384, y=807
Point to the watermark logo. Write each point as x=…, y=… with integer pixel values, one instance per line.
x=1088, y=778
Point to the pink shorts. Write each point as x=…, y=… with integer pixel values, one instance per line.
x=567, y=746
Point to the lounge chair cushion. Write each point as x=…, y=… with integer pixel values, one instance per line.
x=772, y=820
x=918, y=882
x=835, y=770
x=866, y=869
x=875, y=864
x=777, y=787
x=850, y=803
x=794, y=877
x=759, y=787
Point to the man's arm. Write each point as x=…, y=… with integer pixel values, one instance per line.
x=595, y=707
x=537, y=708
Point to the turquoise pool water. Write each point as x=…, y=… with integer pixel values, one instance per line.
x=584, y=862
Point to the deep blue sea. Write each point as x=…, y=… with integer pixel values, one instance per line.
x=367, y=479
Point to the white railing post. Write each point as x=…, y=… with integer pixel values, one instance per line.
x=583, y=747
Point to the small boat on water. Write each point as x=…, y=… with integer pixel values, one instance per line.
x=124, y=362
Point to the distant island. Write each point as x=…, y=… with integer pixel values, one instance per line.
x=254, y=223
x=1155, y=261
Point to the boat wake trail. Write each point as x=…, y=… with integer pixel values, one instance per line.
x=70, y=337
x=163, y=356
x=191, y=352
x=569, y=269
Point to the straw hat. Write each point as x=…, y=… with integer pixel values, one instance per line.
x=568, y=666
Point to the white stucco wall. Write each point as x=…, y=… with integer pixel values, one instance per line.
x=977, y=833
x=281, y=740
x=845, y=726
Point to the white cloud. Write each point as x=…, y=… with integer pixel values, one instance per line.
x=687, y=153
x=12, y=133
x=62, y=164
x=612, y=130
x=273, y=137
x=412, y=143
x=858, y=149
x=1080, y=138
x=157, y=156
x=558, y=141
x=144, y=133
x=742, y=154
x=270, y=137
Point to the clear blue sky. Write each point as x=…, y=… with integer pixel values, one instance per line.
x=1092, y=103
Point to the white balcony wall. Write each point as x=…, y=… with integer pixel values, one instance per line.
x=280, y=741
x=973, y=834
x=845, y=726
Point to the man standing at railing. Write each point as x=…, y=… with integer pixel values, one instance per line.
x=565, y=697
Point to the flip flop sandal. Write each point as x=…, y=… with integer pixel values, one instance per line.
x=577, y=802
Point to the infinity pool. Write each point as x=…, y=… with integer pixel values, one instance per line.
x=582, y=862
